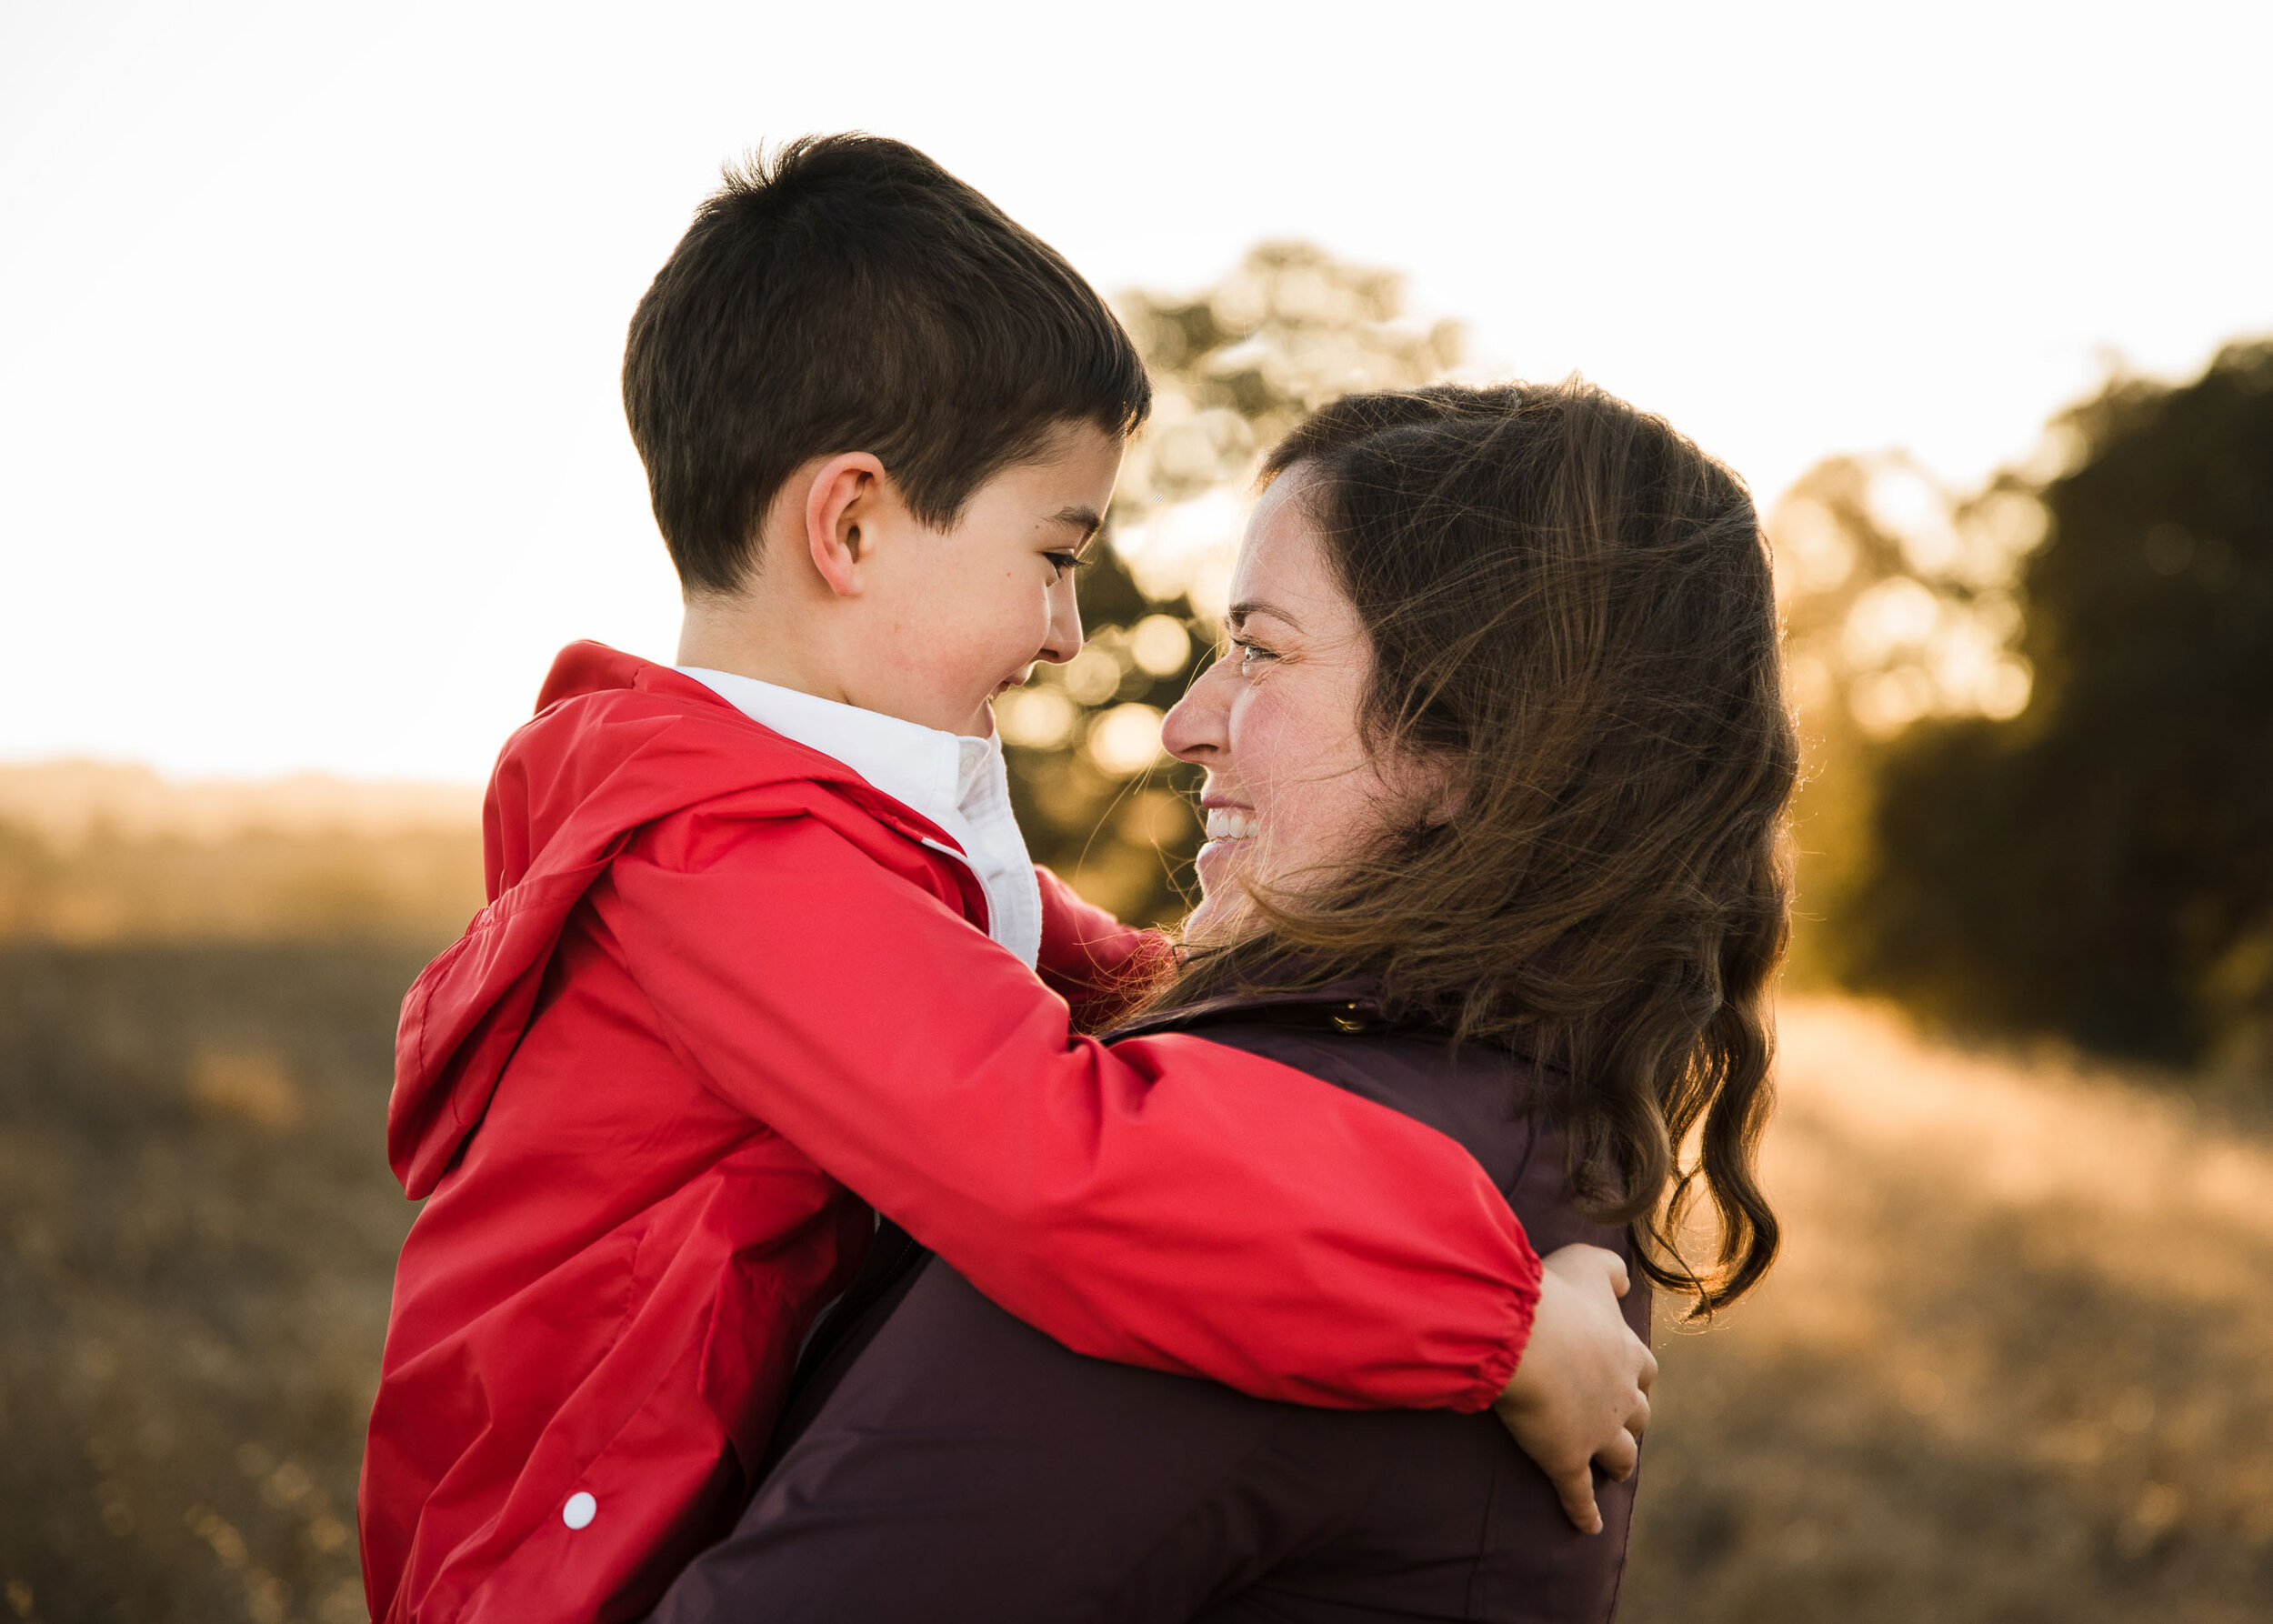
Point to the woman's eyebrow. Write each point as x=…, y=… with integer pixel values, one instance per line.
x=1240, y=611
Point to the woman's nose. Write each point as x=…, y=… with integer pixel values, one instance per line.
x=1194, y=729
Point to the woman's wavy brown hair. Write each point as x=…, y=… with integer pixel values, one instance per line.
x=1570, y=606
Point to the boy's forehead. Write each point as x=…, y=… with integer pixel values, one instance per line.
x=1058, y=495
x=1075, y=467
x=1083, y=443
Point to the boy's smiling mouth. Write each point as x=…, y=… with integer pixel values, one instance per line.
x=1017, y=679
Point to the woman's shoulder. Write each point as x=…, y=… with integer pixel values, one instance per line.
x=1494, y=1101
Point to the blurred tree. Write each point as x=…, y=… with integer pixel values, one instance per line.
x=1898, y=605
x=2100, y=864
x=1233, y=368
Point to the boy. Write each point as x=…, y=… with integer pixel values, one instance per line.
x=755, y=964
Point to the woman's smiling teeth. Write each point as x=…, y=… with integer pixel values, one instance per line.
x=1230, y=823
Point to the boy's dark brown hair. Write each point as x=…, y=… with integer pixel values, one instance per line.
x=848, y=293
x=1570, y=606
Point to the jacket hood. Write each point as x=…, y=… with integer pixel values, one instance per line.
x=617, y=743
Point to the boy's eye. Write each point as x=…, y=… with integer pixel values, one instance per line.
x=1063, y=564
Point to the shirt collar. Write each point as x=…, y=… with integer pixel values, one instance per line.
x=919, y=766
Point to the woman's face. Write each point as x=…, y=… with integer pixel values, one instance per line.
x=1292, y=788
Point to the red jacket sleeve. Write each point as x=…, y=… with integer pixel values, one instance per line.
x=1166, y=1202
x=1096, y=964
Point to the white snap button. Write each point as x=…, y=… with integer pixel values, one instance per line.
x=580, y=1510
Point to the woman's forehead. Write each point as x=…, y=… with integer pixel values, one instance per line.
x=1283, y=568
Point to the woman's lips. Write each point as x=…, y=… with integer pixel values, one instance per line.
x=1229, y=828
x=1231, y=823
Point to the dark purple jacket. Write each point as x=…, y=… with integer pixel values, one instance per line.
x=944, y=1462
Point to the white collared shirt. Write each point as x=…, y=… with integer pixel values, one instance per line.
x=959, y=783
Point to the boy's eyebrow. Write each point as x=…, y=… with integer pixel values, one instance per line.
x=1088, y=520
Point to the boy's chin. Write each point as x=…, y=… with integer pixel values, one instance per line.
x=982, y=721
x=977, y=724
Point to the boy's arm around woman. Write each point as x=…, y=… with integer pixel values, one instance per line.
x=720, y=976
x=1161, y=1202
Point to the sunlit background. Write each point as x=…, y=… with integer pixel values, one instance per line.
x=311, y=456
x=310, y=315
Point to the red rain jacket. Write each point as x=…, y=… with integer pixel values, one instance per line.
x=724, y=997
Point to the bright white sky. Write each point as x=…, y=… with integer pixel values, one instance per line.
x=310, y=449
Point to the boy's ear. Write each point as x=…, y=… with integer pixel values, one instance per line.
x=841, y=507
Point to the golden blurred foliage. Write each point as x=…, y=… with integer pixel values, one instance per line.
x=2042, y=725
x=1233, y=366
x=1900, y=602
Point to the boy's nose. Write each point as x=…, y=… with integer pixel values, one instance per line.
x=1063, y=640
x=1194, y=728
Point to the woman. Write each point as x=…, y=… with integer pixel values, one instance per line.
x=1497, y=765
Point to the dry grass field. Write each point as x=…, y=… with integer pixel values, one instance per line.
x=98, y=853
x=197, y=1232
x=2014, y=1366
x=2017, y=1364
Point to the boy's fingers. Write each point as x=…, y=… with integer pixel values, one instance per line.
x=1619, y=1457
x=1649, y=1368
x=1577, y=1261
x=1638, y=1420
x=1577, y=1496
x=1620, y=1281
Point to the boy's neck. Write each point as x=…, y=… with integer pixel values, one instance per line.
x=747, y=635
x=752, y=636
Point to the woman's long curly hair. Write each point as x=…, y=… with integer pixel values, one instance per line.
x=1570, y=604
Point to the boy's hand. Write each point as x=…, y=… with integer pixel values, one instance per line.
x=1581, y=1391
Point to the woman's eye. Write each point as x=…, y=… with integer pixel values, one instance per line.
x=1250, y=653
